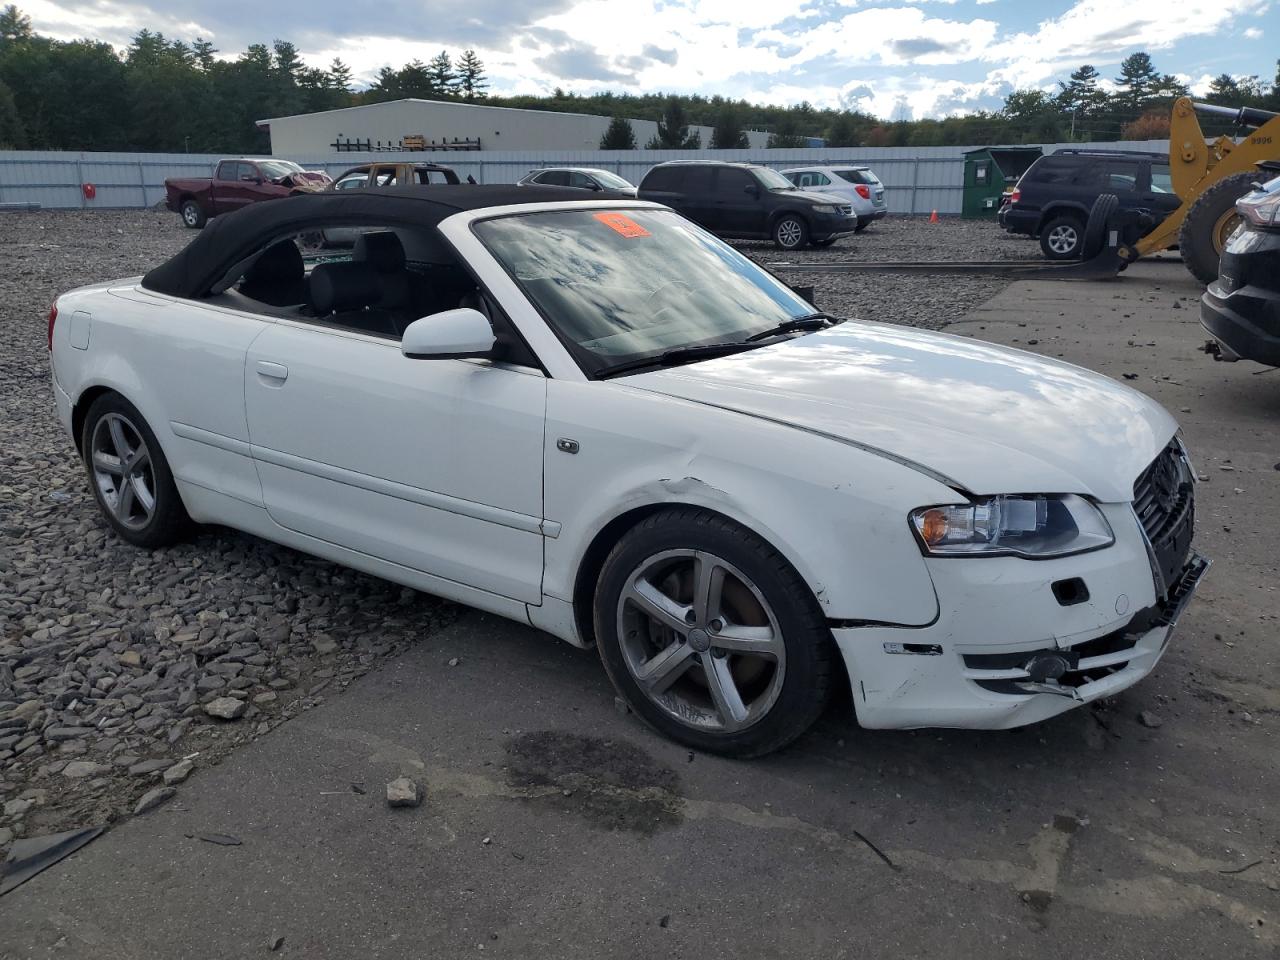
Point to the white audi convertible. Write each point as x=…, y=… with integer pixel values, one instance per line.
x=596, y=418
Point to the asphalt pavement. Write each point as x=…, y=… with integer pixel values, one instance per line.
x=555, y=825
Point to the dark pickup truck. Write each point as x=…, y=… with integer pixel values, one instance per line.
x=238, y=183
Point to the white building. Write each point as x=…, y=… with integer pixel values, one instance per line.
x=453, y=125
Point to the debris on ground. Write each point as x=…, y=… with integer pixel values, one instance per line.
x=29, y=856
x=221, y=839
x=178, y=772
x=403, y=792
x=1149, y=718
x=275, y=944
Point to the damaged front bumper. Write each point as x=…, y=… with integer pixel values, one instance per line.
x=976, y=667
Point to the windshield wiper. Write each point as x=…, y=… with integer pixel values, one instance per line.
x=678, y=355
x=810, y=321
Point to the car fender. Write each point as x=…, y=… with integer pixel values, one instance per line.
x=837, y=512
x=1058, y=207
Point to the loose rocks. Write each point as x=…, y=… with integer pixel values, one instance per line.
x=403, y=792
x=152, y=799
x=226, y=708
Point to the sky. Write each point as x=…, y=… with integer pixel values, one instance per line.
x=896, y=59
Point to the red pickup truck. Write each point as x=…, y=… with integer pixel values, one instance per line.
x=238, y=183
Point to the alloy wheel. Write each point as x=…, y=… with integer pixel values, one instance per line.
x=789, y=232
x=123, y=471
x=190, y=215
x=1063, y=239
x=701, y=641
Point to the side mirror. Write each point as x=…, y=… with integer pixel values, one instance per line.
x=752, y=190
x=448, y=335
x=592, y=185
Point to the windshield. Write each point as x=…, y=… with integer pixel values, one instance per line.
x=274, y=169
x=612, y=180
x=1161, y=180
x=621, y=286
x=772, y=179
x=857, y=176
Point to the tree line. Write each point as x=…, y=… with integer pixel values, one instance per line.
x=168, y=95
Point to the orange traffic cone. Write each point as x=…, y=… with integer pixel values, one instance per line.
x=933, y=217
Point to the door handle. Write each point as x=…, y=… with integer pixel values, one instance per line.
x=270, y=370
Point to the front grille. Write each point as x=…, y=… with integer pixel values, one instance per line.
x=846, y=210
x=1164, y=502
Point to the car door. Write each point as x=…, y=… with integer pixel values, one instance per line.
x=229, y=191
x=255, y=185
x=582, y=181
x=738, y=207
x=1156, y=186
x=1120, y=176
x=435, y=465
x=696, y=196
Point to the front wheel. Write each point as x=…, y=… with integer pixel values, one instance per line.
x=1208, y=224
x=711, y=635
x=192, y=214
x=129, y=475
x=790, y=232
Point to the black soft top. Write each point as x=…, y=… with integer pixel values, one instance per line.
x=230, y=238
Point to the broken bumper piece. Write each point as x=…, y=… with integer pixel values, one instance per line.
x=943, y=675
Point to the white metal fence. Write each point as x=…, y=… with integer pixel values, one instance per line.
x=917, y=180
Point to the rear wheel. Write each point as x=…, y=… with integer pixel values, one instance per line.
x=129, y=475
x=711, y=635
x=790, y=232
x=1208, y=224
x=1062, y=238
x=863, y=223
x=192, y=214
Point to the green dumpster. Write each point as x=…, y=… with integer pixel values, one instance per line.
x=988, y=173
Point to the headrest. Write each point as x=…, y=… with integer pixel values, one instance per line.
x=382, y=249
x=338, y=287
x=279, y=263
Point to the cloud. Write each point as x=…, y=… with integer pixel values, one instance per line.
x=654, y=52
x=581, y=62
x=1252, y=33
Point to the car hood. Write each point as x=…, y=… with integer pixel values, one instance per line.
x=807, y=196
x=980, y=417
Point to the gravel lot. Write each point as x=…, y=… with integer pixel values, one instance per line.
x=109, y=655
x=917, y=300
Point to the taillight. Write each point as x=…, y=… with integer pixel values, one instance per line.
x=53, y=318
x=863, y=191
x=1015, y=196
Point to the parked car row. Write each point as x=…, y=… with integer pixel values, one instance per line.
x=805, y=205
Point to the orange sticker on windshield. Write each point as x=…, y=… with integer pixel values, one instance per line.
x=622, y=224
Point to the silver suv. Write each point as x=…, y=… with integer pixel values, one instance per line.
x=588, y=178
x=857, y=186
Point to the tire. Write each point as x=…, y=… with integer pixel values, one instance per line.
x=823, y=243
x=863, y=223
x=1062, y=237
x=116, y=441
x=192, y=214
x=1095, y=229
x=1208, y=224
x=770, y=697
x=790, y=232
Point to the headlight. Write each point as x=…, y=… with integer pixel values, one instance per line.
x=1025, y=525
x=823, y=208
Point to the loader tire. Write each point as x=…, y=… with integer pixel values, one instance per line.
x=1209, y=222
x=1095, y=231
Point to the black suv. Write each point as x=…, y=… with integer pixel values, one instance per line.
x=1053, y=198
x=744, y=201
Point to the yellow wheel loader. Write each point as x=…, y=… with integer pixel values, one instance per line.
x=1208, y=178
